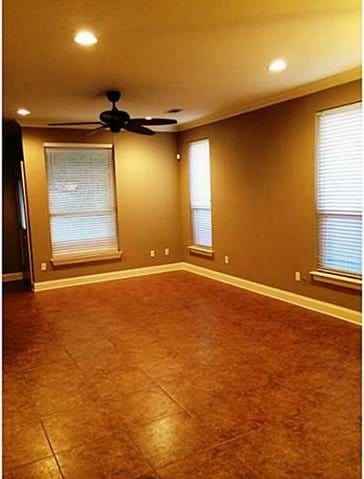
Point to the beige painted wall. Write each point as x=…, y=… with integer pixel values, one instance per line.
x=147, y=199
x=263, y=177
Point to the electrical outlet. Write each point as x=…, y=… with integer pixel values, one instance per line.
x=43, y=266
x=297, y=276
x=152, y=253
x=166, y=251
x=226, y=260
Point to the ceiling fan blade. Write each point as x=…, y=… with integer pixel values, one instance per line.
x=76, y=123
x=153, y=121
x=135, y=128
x=92, y=132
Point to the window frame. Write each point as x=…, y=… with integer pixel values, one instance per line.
x=78, y=258
x=321, y=273
x=194, y=248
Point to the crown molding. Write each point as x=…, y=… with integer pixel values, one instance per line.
x=302, y=90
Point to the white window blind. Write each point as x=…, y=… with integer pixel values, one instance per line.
x=200, y=192
x=81, y=197
x=339, y=185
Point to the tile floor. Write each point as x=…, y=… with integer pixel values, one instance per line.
x=175, y=376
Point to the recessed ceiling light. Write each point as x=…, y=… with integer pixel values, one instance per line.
x=148, y=118
x=278, y=65
x=23, y=112
x=85, y=38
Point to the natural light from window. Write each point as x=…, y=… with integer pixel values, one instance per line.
x=200, y=192
x=339, y=189
x=81, y=197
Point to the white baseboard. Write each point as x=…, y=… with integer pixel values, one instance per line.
x=303, y=301
x=296, y=299
x=99, y=278
x=12, y=277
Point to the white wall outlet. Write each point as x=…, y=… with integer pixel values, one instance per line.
x=297, y=276
x=43, y=266
x=166, y=251
x=226, y=260
x=152, y=253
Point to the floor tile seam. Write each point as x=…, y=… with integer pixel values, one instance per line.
x=73, y=360
x=167, y=394
x=226, y=442
x=200, y=450
x=119, y=395
x=184, y=410
x=241, y=436
x=63, y=450
x=128, y=432
x=137, y=427
x=133, y=368
x=301, y=396
x=138, y=389
x=68, y=410
x=92, y=400
x=13, y=466
x=35, y=418
x=85, y=380
x=51, y=448
x=182, y=459
x=320, y=452
x=137, y=448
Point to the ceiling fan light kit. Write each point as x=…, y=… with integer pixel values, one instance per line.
x=117, y=120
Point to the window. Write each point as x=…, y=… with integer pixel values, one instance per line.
x=81, y=195
x=339, y=183
x=200, y=193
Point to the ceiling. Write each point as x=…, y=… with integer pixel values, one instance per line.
x=208, y=57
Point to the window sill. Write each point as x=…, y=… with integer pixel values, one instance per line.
x=70, y=260
x=201, y=251
x=337, y=279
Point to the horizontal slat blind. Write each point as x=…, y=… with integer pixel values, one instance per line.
x=200, y=192
x=81, y=198
x=339, y=186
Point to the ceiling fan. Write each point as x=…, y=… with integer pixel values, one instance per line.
x=116, y=120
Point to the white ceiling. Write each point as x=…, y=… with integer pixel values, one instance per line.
x=208, y=57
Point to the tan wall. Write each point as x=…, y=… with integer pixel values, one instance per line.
x=262, y=167
x=147, y=199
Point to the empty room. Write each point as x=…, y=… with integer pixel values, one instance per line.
x=182, y=239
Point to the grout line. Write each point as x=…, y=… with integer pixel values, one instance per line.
x=192, y=415
x=139, y=426
x=143, y=456
x=51, y=447
x=19, y=466
x=166, y=393
x=72, y=358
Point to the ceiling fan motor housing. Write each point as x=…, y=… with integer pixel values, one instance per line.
x=114, y=116
x=113, y=95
